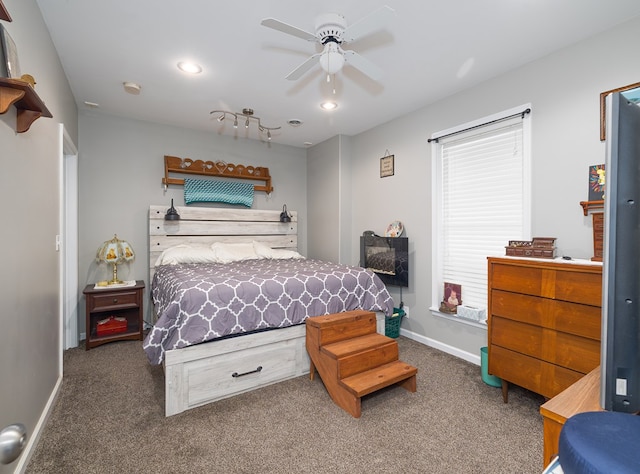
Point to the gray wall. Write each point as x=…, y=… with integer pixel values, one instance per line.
x=121, y=167
x=564, y=90
x=29, y=196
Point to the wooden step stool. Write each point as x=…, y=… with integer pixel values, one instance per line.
x=353, y=360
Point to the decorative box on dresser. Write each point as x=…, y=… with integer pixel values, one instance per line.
x=544, y=322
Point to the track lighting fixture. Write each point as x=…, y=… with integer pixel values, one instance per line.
x=248, y=115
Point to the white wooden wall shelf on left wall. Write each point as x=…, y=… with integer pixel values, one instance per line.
x=29, y=105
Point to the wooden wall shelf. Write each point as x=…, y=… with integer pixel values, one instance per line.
x=221, y=169
x=23, y=96
x=591, y=206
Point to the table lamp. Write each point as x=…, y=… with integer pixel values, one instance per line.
x=115, y=251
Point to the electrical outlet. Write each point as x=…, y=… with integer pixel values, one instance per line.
x=406, y=311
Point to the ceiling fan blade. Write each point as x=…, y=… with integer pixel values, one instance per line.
x=364, y=65
x=373, y=21
x=288, y=29
x=298, y=72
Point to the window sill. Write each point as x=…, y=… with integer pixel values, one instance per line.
x=458, y=319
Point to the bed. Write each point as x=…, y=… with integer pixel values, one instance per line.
x=230, y=296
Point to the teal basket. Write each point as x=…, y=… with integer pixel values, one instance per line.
x=392, y=323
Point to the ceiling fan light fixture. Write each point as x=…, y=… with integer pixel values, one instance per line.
x=332, y=59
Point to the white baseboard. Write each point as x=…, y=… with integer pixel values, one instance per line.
x=33, y=438
x=454, y=351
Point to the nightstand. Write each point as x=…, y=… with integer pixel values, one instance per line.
x=124, y=304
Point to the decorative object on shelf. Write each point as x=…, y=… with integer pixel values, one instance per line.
x=387, y=165
x=597, y=182
x=115, y=252
x=221, y=169
x=29, y=79
x=452, y=298
x=172, y=214
x=603, y=102
x=246, y=115
x=539, y=247
x=4, y=13
x=394, y=229
x=284, y=215
x=9, y=66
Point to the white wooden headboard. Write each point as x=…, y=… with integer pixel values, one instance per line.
x=206, y=225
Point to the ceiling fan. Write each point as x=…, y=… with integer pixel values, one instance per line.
x=332, y=32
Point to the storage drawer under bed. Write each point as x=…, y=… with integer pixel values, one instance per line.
x=223, y=376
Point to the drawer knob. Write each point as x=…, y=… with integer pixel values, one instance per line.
x=115, y=300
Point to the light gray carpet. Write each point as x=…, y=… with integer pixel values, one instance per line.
x=109, y=418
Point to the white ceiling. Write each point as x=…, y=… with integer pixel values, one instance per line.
x=430, y=50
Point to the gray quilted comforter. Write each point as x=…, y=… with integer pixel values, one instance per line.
x=201, y=302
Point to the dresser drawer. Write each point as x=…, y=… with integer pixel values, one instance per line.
x=107, y=302
x=565, y=350
x=579, y=319
x=533, y=374
x=571, y=284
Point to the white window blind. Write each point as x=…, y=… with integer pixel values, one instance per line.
x=482, y=204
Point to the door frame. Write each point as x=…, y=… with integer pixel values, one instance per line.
x=68, y=242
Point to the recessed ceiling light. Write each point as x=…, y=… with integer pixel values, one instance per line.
x=294, y=122
x=191, y=68
x=329, y=105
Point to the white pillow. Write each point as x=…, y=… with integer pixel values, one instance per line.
x=234, y=252
x=264, y=251
x=186, y=254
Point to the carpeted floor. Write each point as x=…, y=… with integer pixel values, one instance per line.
x=109, y=418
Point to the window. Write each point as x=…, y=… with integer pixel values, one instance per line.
x=481, y=182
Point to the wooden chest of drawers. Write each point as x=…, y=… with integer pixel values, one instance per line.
x=544, y=322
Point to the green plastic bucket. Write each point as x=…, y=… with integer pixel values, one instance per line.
x=484, y=365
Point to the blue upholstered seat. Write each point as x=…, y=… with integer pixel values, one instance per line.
x=600, y=442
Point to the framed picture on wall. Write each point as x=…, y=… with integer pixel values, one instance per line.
x=386, y=166
x=9, y=66
x=597, y=181
x=603, y=102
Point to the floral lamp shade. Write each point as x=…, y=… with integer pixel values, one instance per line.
x=115, y=252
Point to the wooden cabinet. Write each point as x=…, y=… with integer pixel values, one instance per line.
x=544, y=322
x=581, y=397
x=124, y=303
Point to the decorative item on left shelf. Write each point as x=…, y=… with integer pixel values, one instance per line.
x=111, y=325
x=9, y=66
x=115, y=252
